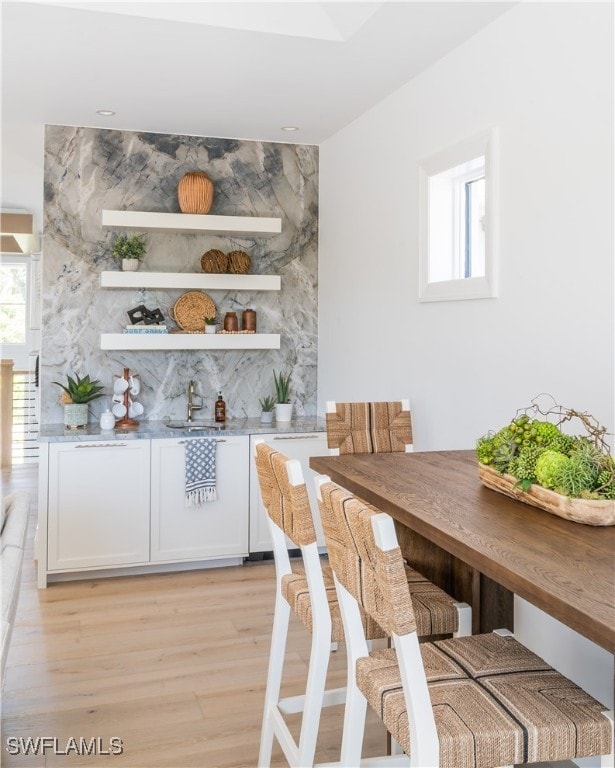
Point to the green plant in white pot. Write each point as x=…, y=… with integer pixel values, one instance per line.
x=78, y=392
x=129, y=250
x=267, y=404
x=210, y=324
x=283, y=406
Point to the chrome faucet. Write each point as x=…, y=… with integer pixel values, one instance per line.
x=191, y=405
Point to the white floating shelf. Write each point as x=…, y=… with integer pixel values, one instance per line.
x=170, y=280
x=174, y=341
x=191, y=222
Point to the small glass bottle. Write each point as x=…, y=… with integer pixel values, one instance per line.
x=220, y=409
x=230, y=322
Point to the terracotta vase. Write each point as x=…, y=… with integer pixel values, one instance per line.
x=195, y=192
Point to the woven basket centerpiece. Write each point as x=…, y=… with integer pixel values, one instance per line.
x=239, y=262
x=190, y=310
x=214, y=262
x=195, y=192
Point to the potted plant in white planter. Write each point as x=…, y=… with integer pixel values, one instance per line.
x=78, y=392
x=267, y=405
x=211, y=324
x=129, y=250
x=283, y=406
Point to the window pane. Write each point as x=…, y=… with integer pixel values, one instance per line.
x=475, y=223
x=13, y=303
x=12, y=324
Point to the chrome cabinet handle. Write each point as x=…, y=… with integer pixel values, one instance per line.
x=298, y=437
x=218, y=440
x=101, y=445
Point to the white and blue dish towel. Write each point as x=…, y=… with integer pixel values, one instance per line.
x=200, y=471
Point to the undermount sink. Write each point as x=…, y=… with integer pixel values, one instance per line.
x=195, y=426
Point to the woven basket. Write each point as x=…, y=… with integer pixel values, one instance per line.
x=239, y=262
x=190, y=309
x=195, y=192
x=214, y=262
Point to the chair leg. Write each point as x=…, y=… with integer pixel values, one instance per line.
x=608, y=761
x=464, y=611
x=281, y=619
x=317, y=675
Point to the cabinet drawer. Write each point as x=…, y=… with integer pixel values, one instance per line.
x=212, y=530
x=98, y=508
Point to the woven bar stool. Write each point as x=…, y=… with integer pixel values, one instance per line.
x=310, y=593
x=368, y=427
x=471, y=702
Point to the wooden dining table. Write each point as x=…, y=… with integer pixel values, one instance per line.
x=484, y=547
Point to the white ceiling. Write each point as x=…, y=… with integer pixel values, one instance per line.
x=218, y=69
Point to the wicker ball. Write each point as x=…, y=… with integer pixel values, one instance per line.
x=239, y=262
x=195, y=192
x=214, y=261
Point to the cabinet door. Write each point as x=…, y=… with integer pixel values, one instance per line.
x=212, y=530
x=98, y=507
x=298, y=446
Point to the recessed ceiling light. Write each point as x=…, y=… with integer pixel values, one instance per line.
x=105, y=112
x=289, y=128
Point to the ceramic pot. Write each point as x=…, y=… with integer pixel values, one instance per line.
x=266, y=417
x=75, y=415
x=211, y=328
x=130, y=265
x=283, y=411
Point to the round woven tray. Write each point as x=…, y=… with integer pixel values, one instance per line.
x=190, y=309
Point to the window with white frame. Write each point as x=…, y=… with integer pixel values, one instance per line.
x=457, y=222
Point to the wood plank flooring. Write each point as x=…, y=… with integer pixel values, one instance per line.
x=174, y=665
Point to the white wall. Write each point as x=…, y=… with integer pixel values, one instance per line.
x=543, y=74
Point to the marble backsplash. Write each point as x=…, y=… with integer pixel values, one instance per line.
x=88, y=170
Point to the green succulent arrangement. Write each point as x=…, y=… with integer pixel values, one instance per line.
x=128, y=247
x=210, y=320
x=282, y=386
x=267, y=403
x=80, y=390
x=536, y=451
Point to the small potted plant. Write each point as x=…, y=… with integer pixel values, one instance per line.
x=211, y=324
x=129, y=250
x=283, y=406
x=78, y=392
x=267, y=405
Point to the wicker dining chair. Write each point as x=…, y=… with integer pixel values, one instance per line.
x=379, y=427
x=471, y=702
x=309, y=591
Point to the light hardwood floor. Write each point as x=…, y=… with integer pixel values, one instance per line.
x=174, y=665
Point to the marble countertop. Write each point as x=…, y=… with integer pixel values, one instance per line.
x=148, y=430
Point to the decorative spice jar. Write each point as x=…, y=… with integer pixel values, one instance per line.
x=231, y=323
x=248, y=320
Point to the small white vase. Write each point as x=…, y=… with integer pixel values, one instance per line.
x=130, y=265
x=283, y=412
x=211, y=328
x=266, y=417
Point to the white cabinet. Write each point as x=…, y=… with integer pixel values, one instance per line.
x=301, y=446
x=98, y=504
x=212, y=530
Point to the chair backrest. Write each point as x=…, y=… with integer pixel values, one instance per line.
x=285, y=495
x=375, y=578
x=379, y=427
